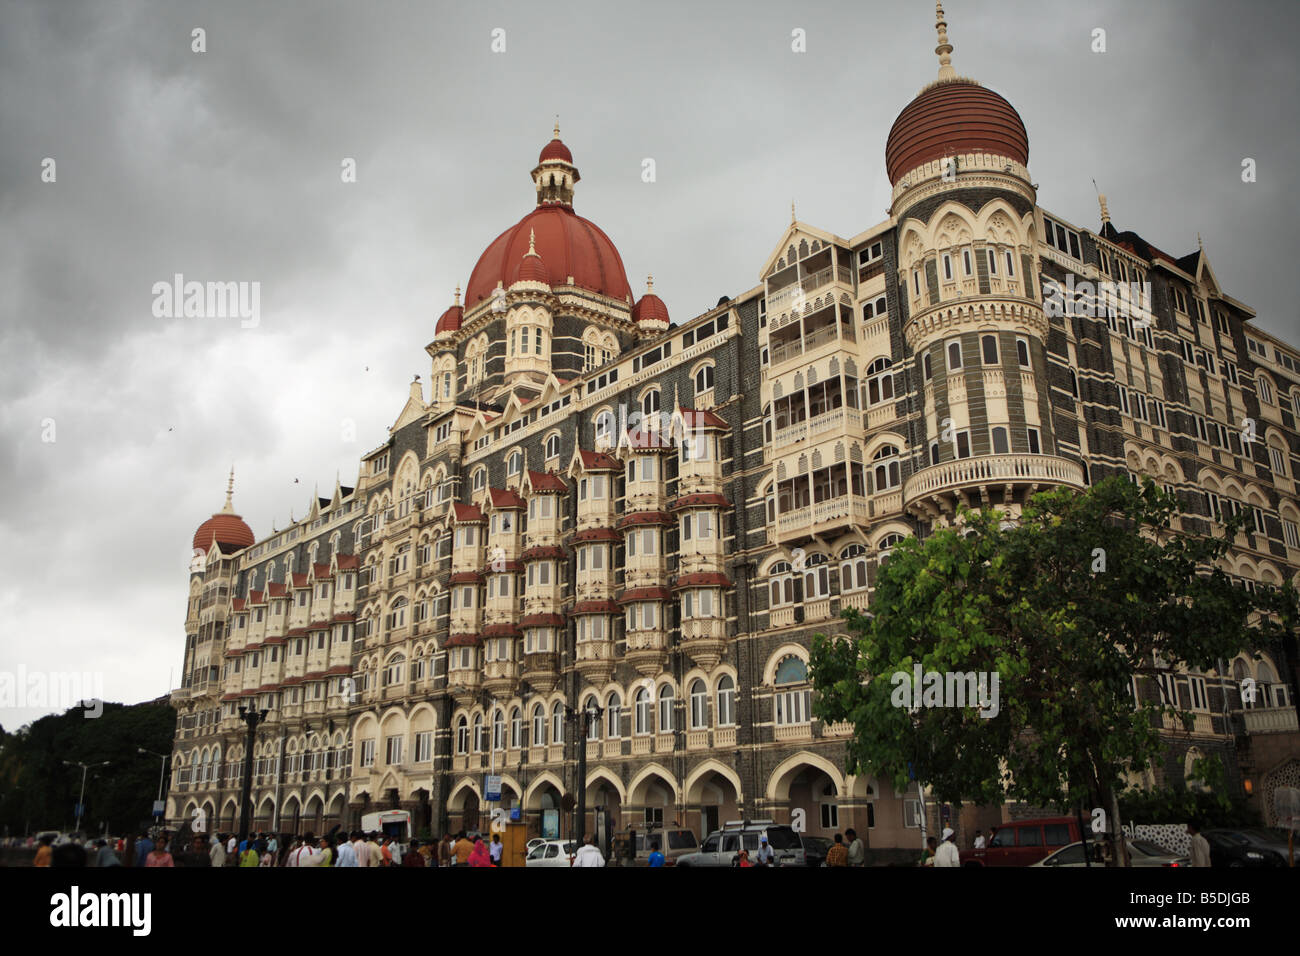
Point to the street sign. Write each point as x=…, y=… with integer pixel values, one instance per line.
x=159, y=807
x=492, y=789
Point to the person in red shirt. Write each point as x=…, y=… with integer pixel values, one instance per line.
x=744, y=859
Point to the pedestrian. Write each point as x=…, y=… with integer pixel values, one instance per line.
x=106, y=856
x=376, y=851
x=1200, y=845
x=248, y=855
x=308, y=854
x=412, y=855
x=196, y=855
x=980, y=842
x=159, y=856
x=232, y=846
x=857, y=850
x=838, y=854
x=656, y=858
x=348, y=852
x=479, y=856
x=947, y=854
x=273, y=846
x=496, y=849
x=927, y=857
x=444, y=850
x=217, y=853
x=743, y=860
x=44, y=853
x=589, y=854
x=462, y=849
x=387, y=849
x=766, y=855
x=361, y=848
x=265, y=857
x=143, y=847
x=427, y=851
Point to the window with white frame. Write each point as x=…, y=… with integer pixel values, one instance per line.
x=539, y=726
x=726, y=704
x=424, y=746
x=793, y=699
x=643, y=711
x=703, y=379
x=666, y=699
x=699, y=695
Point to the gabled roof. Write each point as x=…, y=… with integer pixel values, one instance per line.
x=506, y=498
x=598, y=461
x=540, y=481
x=466, y=513
x=792, y=235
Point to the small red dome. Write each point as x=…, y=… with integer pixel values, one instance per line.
x=531, y=269
x=650, y=308
x=225, y=528
x=449, y=321
x=570, y=246
x=950, y=117
x=555, y=150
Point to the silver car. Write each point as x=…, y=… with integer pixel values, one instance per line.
x=1140, y=852
x=722, y=847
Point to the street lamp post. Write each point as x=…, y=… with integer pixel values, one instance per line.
x=81, y=800
x=162, y=770
x=252, y=718
x=593, y=712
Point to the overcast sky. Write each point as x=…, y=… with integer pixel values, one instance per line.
x=225, y=166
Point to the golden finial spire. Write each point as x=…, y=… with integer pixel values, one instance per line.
x=944, y=49
x=532, y=242
x=792, y=219
x=1199, y=245
x=458, y=293
x=557, y=126
x=230, y=492
x=649, y=284
x=1105, y=210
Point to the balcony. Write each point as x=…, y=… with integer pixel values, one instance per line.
x=724, y=737
x=697, y=740
x=857, y=600
x=937, y=490
x=1201, y=723
x=793, y=731
x=665, y=743
x=808, y=284
x=595, y=660
x=1271, y=720
x=542, y=670
x=647, y=651
x=464, y=682
x=704, y=639
x=641, y=744
x=500, y=678
x=823, y=517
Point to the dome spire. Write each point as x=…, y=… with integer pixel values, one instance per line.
x=944, y=49
x=230, y=492
x=457, y=302
x=532, y=243
x=649, y=284
x=557, y=127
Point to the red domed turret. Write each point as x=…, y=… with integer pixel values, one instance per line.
x=650, y=312
x=530, y=267
x=449, y=321
x=555, y=149
x=224, y=527
x=952, y=116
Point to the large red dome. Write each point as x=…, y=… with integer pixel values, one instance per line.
x=954, y=116
x=225, y=528
x=567, y=243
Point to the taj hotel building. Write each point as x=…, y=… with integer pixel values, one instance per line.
x=589, y=507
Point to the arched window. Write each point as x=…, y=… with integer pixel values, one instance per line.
x=853, y=568
x=880, y=382
x=604, y=427
x=786, y=586
x=650, y=403
x=886, y=545
x=793, y=702
x=515, y=464
x=516, y=729
x=553, y=446
x=1001, y=443
x=593, y=727
x=479, y=481
x=478, y=733
x=498, y=730
x=703, y=379
x=613, y=716
x=726, y=707
x=816, y=577
x=885, y=471
x=539, y=726
x=557, y=723
x=462, y=735
x=699, y=705
x=665, y=708
x=1265, y=389
x=643, y=711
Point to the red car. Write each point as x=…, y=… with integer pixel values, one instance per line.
x=1025, y=842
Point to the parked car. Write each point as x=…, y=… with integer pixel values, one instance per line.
x=815, y=850
x=1024, y=842
x=551, y=853
x=1248, y=846
x=674, y=843
x=1141, y=853
x=722, y=847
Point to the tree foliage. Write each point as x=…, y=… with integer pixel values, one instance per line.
x=39, y=791
x=1064, y=605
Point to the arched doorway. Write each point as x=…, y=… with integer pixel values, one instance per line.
x=463, y=807
x=712, y=798
x=806, y=790
x=652, y=799
x=542, y=809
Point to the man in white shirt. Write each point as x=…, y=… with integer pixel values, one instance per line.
x=361, y=848
x=979, y=839
x=230, y=845
x=347, y=855
x=308, y=854
x=589, y=854
x=947, y=854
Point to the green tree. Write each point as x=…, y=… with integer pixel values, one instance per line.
x=1064, y=606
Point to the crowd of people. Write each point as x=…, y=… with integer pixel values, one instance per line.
x=167, y=849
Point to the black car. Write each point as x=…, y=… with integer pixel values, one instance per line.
x=815, y=850
x=1247, y=846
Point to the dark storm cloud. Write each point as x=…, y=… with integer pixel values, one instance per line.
x=225, y=166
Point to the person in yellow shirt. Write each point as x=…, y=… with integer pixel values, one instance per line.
x=44, y=854
x=462, y=849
